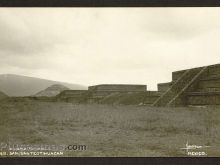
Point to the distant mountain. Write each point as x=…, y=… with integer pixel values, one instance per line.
x=16, y=85
x=53, y=90
x=2, y=95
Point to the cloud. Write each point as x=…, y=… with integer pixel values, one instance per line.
x=107, y=45
x=28, y=32
x=179, y=24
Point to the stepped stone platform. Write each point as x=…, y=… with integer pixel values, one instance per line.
x=203, y=98
x=118, y=88
x=196, y=86
x=71, y=95
x=98, y=92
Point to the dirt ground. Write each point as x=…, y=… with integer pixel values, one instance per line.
x=109, y=130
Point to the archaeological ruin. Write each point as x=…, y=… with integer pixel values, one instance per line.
x=71, y=95
x=100, y=91
x=196, y=86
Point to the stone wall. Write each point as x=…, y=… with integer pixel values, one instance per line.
x=204, y=91
x=208, y=88
x=203, y=98
x=209, y=85
x=151, y=96
x=118, y=88
x=72, y=95
x=98, y=92
x=162, y=87
x=213, y=70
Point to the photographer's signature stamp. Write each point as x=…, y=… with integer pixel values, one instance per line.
x=192, y=150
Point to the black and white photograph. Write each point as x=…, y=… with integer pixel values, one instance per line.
x=110, y=82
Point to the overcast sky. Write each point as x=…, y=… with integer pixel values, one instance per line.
x=107, y=45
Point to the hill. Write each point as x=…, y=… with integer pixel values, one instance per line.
x=52, y=90
x=2, y=95
x=16, y=85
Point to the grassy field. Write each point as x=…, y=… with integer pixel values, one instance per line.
x=109, y=130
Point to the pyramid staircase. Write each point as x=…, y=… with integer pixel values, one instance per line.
x=172, y=97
